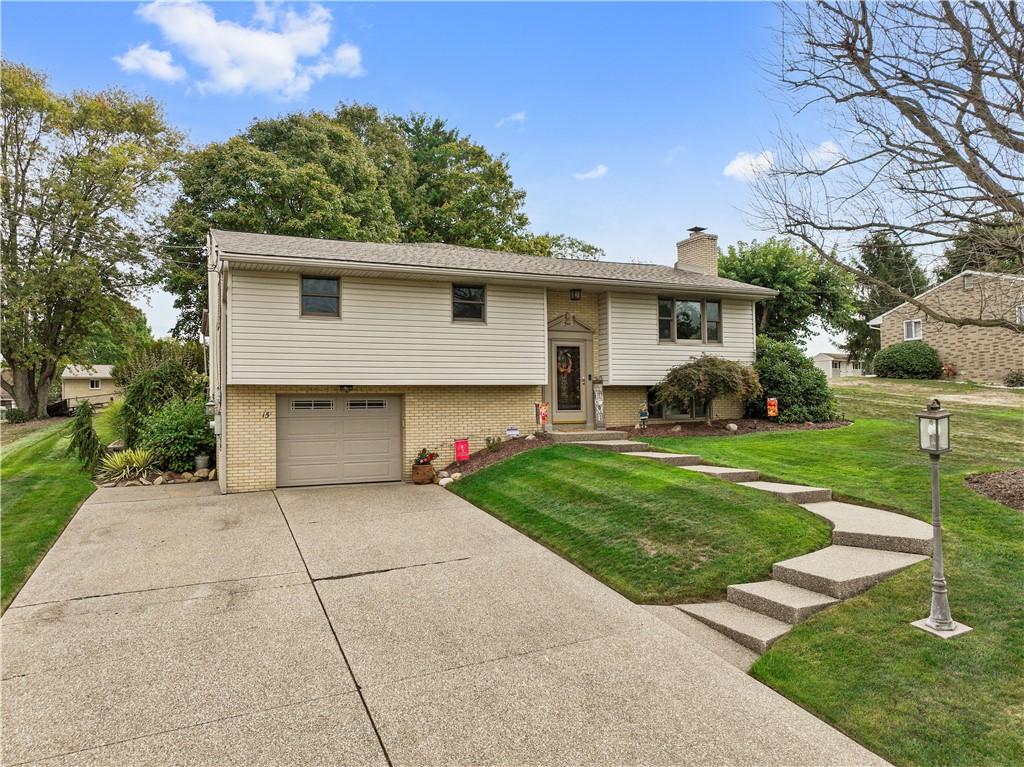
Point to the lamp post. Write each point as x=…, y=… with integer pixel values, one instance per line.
x=933, y=438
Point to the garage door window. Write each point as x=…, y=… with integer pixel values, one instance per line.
x=312, y=404
x=367, y=404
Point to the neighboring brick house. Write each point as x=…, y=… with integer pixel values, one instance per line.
x=978, y=353
x=88, y=383
x=335, y=362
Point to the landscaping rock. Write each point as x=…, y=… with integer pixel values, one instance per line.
x=442, y=475
x=145, y=481
x=446, y=481
x=677, y=428
x=530, y=437
x=187, y=476
x=194, y=478
x=213, y=475
x=116, y=446
x=109, y=484
x=202, y=473
x=159, y=480
x=732, y=427
x=456, y=475
x=132, y=483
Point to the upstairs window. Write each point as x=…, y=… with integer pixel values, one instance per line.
x=94, y=383
x=913, y=330
x=968, y=281
x=321, y=297
x=1020, y=314
x=469, y=303
x=689, y=319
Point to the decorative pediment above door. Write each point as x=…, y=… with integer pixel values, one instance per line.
x=568, y=322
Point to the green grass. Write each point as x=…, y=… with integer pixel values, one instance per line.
x=40, y=489
x=914, y=699
x=653, y=532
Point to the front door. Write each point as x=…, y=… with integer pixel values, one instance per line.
x=569, y=401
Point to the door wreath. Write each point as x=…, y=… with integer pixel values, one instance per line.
x=564, y=363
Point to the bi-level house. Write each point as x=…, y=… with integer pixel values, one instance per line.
x=335, y=362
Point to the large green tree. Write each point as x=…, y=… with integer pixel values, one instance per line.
x=80, y=173
x=809, y=290
x=355, y=174
x=891, y=269
x=995, y=246
x=117, y=336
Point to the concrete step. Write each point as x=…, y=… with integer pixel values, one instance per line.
x=778, y=600
x=585, y=435
x=672, y=459
x=724, y=472
x=752, y=630
x=710, y=639
x=614, y=445
x=874, y=528
x=842, y=571
x=792, y=493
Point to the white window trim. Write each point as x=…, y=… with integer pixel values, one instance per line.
x=1020, y=314
x=911, y=336
x=97, y=383
x=704, y=340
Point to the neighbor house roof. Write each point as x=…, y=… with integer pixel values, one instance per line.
x=834, y=355
x=438, y=258
x=86, y=371
x=877, y=321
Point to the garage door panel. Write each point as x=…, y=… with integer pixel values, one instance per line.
x=339, y=439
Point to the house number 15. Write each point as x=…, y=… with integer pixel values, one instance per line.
x=265, y=414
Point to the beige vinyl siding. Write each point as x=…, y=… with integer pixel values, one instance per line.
x=604, y=355
x=391, y=332
x=639, y=358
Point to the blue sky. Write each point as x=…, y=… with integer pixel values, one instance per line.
x=619, y=120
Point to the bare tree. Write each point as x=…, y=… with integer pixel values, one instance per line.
x=926, y=105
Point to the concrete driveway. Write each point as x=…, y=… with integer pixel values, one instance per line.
x=358, y=625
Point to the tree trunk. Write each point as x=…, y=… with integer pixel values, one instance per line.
x=24, y=392
x=42, y=393
x=708, y=404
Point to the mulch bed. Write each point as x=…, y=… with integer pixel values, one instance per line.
x=717, y=428
x=483, y=458
x=1005, y=487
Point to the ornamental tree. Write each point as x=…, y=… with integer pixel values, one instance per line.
x=704, y=380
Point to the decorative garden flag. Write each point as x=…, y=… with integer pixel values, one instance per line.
x=462, y=450
x=773, y=407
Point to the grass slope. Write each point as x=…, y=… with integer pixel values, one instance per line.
x=40, y=489
x=915, y=699
x=655, y=533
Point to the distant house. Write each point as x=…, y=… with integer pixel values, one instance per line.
x=837, y=365
x=977, y=353
x=93, y=384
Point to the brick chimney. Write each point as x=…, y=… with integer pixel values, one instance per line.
x=698, y=252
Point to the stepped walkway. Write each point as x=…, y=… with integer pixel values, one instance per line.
x=868, y=545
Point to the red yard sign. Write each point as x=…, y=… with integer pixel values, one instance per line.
x=462, y=450
x=773, y=407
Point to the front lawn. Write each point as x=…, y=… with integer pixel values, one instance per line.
x=40, y=489
x=914, y=699
x=655, y=533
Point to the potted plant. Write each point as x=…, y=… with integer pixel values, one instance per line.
x=422, y=468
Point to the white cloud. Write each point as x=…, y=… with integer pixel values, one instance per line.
x=598, y=171
x=746, y=166
x=158, y=64
x=516, y=118
x=822, y=156
x=282, y=52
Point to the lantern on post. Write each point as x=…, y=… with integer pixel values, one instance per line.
x=933, y=438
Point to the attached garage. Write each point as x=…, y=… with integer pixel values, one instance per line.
x=337, y=439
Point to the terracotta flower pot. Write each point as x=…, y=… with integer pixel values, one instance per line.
x=422, y=473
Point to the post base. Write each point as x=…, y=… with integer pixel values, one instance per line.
x=958, y=629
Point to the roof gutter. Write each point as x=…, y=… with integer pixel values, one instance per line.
x=752, y=292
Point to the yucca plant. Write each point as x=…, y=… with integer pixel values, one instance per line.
x=127, y=464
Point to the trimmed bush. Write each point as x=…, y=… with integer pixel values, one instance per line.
x=85, y=444
x=788, y=375
x=151, y=390
x=705, y=380
x=909, y=359
x=178, y=432
x=16, y=415
x=1015, y=378
x=188, y=354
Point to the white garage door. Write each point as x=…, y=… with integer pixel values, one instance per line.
x=329, y=440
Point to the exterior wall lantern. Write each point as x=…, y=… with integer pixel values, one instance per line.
x=575, y=294
x=933, y=438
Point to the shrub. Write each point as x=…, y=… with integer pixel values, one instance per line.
x=948, y=370
x=151, y=390
x=788, y=375
x=706, y=379
x=85, y=444
x=909, y=359
x=493, y=443
x=1015, y=378
x=178, y=432
x=16, y=415
x=127, y=464
x=188, y=354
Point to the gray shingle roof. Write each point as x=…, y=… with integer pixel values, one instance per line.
x=86, y=371
x=456, y=257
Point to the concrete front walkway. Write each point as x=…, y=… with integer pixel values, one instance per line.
x=358, y=625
